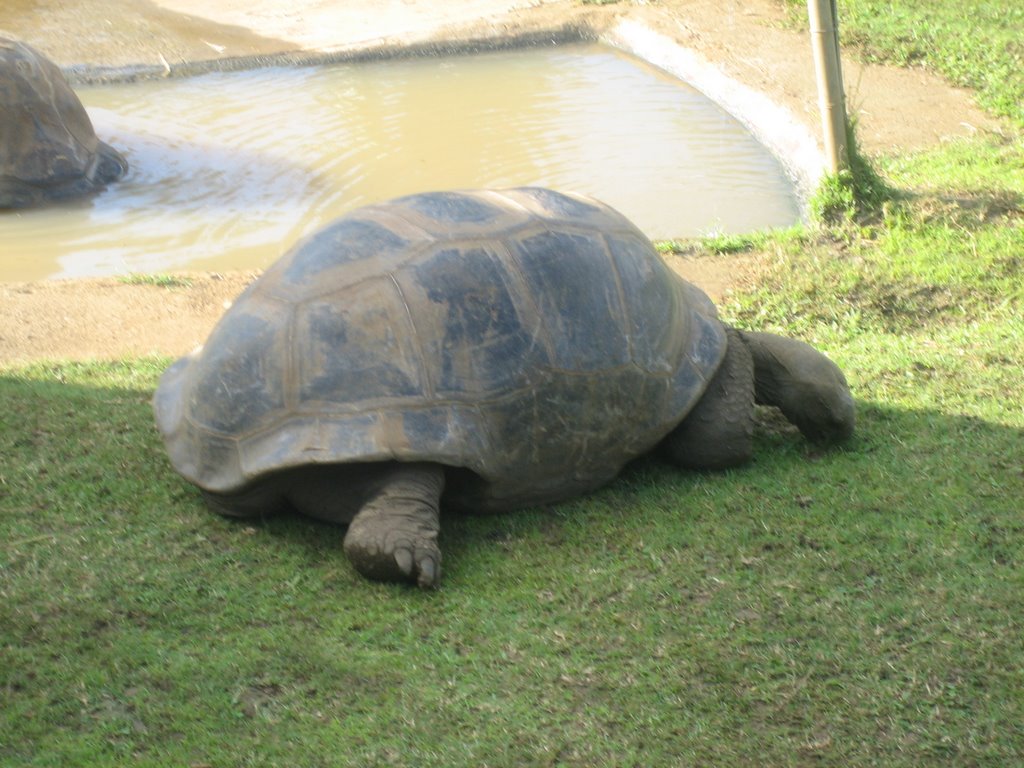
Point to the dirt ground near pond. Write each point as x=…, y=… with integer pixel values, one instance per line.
x=898, y=110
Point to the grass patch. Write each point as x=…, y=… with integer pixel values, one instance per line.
x=938, y=254
x=160, y=280
x=973, y=44
x=729, y=244
x=856, y=192
x=855, y=607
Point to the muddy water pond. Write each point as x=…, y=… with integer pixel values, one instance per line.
x=229, y=169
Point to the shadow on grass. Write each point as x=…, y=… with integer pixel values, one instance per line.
x=851, y=606
x=81, y=452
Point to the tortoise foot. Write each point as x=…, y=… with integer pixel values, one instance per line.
x=394, y=536
x=385, y=552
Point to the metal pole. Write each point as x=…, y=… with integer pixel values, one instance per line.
x=825, y=46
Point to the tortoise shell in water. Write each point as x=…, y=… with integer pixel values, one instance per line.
x=48, y=148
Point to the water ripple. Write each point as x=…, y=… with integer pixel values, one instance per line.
x=229, y=169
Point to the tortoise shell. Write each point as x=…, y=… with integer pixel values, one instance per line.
x=532, y=341
x=48, y=148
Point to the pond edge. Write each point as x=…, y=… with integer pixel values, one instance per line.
x=774, y=126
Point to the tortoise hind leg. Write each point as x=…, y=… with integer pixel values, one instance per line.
x=804, y=384
x=718, y=432
x=393, y=537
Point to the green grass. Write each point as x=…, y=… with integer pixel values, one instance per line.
x=856, y=607
x=974, y=44
x=847, y=606
x=726, y=244
x=159, y=280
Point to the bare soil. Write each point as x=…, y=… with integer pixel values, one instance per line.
x=898, y=110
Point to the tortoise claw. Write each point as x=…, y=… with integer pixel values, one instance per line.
x=420, y=565
x=403, y=557
x=430, y=573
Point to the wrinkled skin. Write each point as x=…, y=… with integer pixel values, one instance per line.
x=48, y=148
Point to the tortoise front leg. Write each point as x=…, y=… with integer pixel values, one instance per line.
x=718, y=433
x=394, y=536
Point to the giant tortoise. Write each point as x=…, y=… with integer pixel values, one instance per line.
x=480, y=351
x=48, y=148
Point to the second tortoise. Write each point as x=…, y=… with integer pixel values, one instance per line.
x=48, y=148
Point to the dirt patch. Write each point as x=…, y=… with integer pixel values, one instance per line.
x=898, y=110
x=122, y=33
x=108, y=318
x=111, y=318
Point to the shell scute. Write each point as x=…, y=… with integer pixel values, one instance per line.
x=469, y=321
x=238, y=383
x=583, y=315
x=653, y=318
x=355, y=346
x=341, y=254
